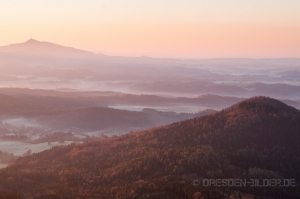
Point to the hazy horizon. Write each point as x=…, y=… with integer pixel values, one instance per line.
x=172, y=29
x=144, y=55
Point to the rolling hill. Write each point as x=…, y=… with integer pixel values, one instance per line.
x=84, y=111
x=258, y=138
x=108, y=98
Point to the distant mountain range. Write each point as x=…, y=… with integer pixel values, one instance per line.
x=257, y=138
x=34, y=47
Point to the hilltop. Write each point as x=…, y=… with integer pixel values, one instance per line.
x=256, y=138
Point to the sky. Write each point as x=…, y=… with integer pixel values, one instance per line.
x=158, y=28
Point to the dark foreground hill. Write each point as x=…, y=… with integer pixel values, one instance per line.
x=258, y=138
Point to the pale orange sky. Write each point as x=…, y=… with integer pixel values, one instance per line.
x=165, y=28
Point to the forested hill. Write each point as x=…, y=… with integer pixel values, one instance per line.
x=258, y=138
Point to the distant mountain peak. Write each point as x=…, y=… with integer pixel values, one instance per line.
x=32, y=41
x=34, y=47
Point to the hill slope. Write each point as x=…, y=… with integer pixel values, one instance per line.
x=258, y=138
